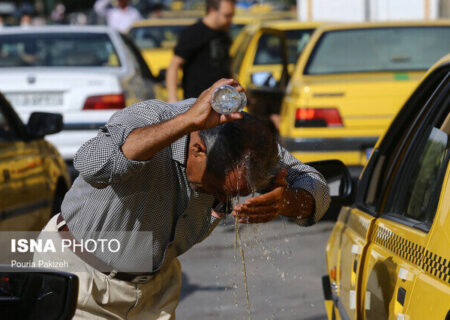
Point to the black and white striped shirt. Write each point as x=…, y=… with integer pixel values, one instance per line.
x=116, y=194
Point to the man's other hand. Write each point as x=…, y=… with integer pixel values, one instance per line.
x=203, y=116
x=265, y=207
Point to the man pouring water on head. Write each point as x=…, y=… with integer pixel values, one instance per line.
x=169, y=170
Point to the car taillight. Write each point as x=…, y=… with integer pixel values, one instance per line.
x=108, y=101
x=318, y=117
x=333, y=273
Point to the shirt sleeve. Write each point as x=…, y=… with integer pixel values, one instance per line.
x=101, y=7
x=100, y=160
x=302, y=176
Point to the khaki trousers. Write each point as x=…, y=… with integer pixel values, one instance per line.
x=103, y=297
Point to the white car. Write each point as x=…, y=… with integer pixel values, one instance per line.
x=85, y=73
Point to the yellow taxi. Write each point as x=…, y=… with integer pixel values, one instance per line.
x=259, y=47
x=244, y=18
x=264, y=55
x=350, y=81
x=33, y=175
x=156, y=39
x=388, y=255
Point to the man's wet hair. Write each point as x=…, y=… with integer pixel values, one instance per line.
x=248, y=142
x=215, y=4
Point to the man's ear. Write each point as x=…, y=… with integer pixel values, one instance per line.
x=199, y=149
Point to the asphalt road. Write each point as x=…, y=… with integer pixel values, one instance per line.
x=284, y=264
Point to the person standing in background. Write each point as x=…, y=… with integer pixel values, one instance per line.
x=202, y=51
x=26, y=13
x=120, y=18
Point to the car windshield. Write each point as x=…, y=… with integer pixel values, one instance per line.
x=380, y=49
x=156, y=36
x=57, y=50
x=296, y=41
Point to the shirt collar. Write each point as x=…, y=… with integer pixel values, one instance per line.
x=180, y=150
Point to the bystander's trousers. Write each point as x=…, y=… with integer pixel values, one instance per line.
x=104, y=297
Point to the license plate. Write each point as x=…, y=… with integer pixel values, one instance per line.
x=368, y=153
x=24, y=99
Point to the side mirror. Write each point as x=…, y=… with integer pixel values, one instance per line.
x=31, y=293
x=41, y=124
x=338, y=179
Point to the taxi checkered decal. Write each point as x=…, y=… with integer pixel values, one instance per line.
x=433, y=264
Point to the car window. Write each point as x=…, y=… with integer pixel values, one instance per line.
x=415, y=194
x=240, y=54
x=156, y=36
x=235, y=29
x=57, y=50
x=379, y=49
x=383, y=168
x=269, y=50
x=296, y=42
x=136, y=58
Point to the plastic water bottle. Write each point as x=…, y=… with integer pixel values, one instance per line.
x=226, y=99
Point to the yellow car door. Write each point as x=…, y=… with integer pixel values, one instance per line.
x=264, y=51
x=25, y=195
x=400, y=186
x=260, y=65
x=408, y=253
x=381, y=258
x=345, y=250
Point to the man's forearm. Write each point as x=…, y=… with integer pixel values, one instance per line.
x=143, y=143
x=297, y=203
x=101, y=7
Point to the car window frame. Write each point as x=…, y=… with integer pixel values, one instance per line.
x=410, y=117
x=310, y=32
x=20, y=131
x=144, y=70
x=414, y=148
x=258, y=47
x=236, y=64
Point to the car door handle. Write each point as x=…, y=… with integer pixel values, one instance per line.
x=401, y=294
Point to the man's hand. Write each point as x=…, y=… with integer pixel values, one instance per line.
x=265, y=207
x=203, y=116
x=280, y=201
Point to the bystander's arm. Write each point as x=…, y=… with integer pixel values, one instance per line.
x=172, y=77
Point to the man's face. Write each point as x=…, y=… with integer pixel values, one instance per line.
x=224, y=15
x=233, y=184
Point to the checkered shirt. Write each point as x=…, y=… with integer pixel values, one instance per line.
x=114, y=193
